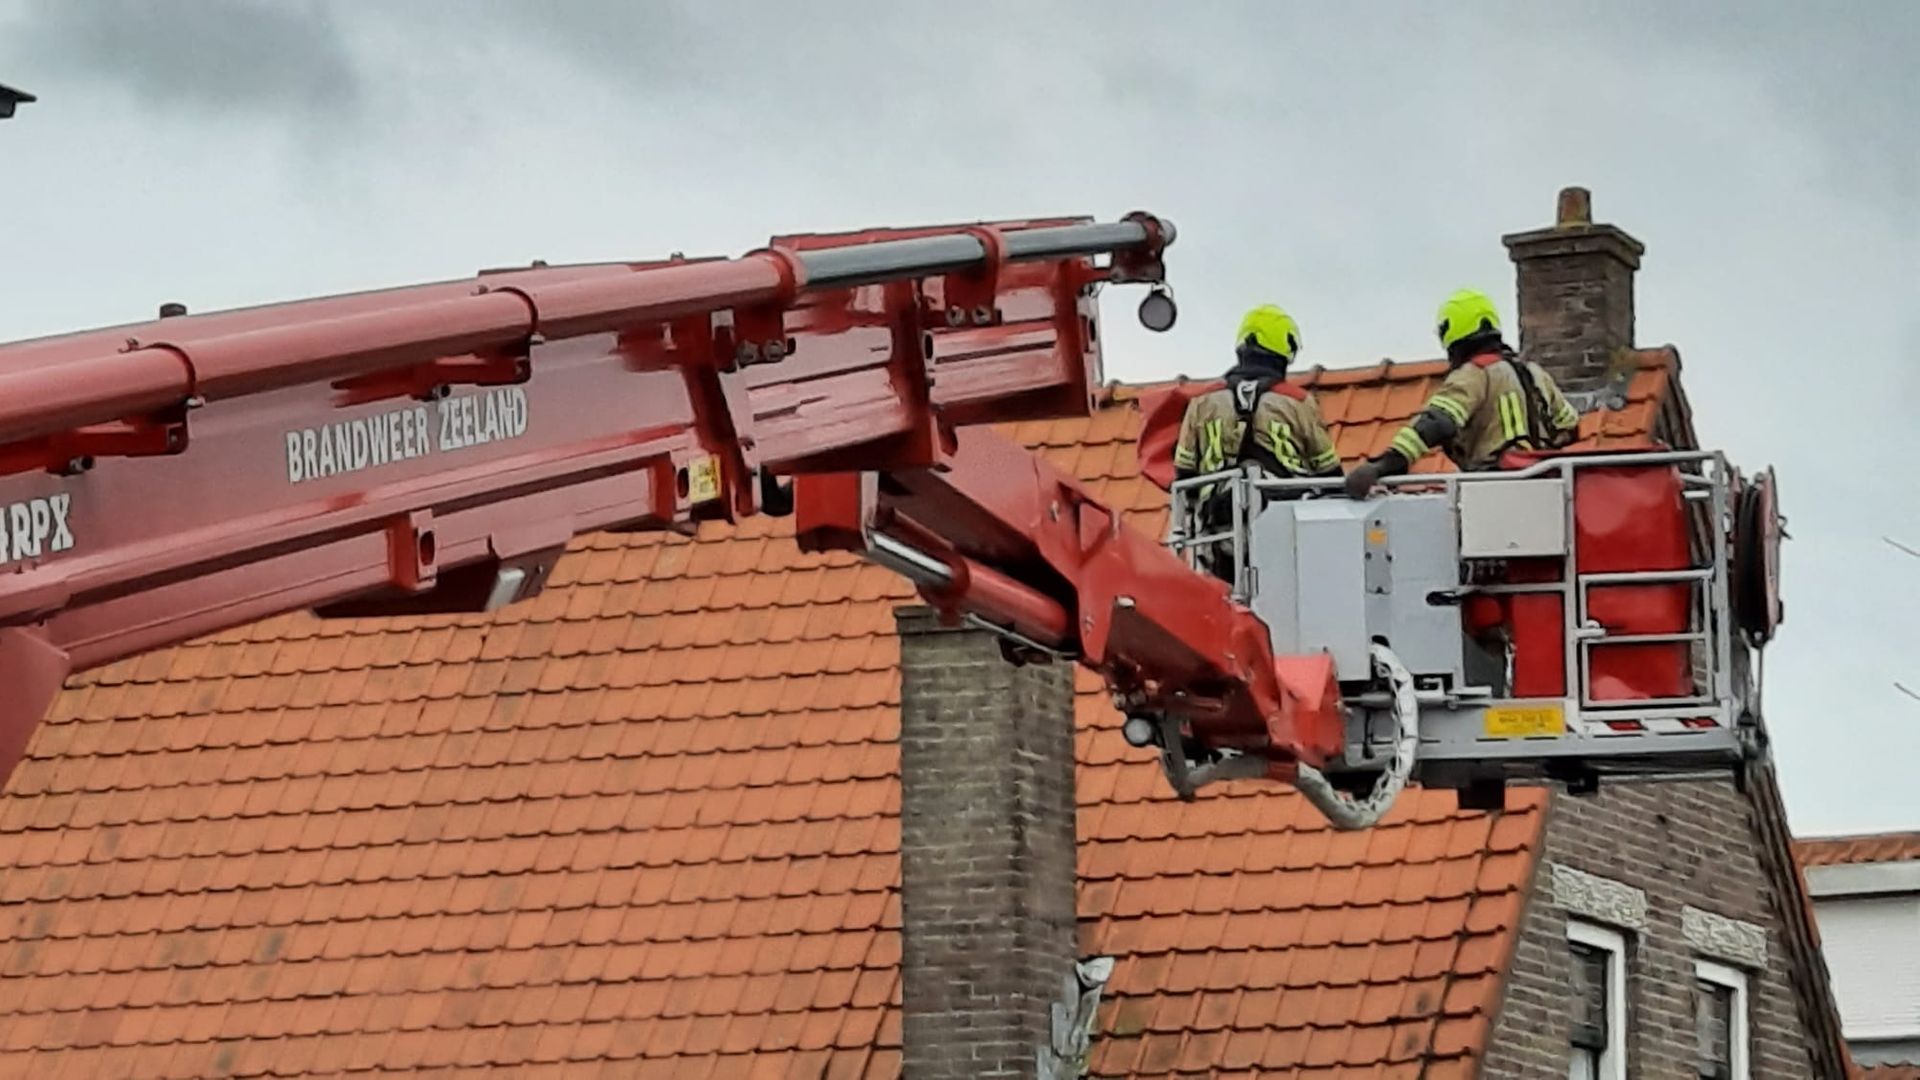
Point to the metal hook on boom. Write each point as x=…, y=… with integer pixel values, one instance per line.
x=1346, y=812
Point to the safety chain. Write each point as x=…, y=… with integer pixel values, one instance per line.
x=1346, y=812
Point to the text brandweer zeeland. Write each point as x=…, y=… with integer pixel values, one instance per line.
x=454, y=423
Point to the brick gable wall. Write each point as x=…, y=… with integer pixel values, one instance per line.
x=1682, y=844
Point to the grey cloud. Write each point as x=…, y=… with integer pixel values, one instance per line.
x=1841, y=73
x=658, y=45
x=1907, y=362
x=274, y=58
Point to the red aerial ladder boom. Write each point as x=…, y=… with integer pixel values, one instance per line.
x=434, y=448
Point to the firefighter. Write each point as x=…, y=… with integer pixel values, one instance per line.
x=1491, y=402
x=1258, y=416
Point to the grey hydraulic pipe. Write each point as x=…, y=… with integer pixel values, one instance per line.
x=909, y=562
x=1059, y=241
x=861, y=264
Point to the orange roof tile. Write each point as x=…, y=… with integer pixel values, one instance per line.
x=652, y=818
x=1868, y=848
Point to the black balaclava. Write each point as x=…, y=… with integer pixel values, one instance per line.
x=1473, y=345
x=1255, y=361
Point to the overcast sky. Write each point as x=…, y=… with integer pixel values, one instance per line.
x=1353, y=165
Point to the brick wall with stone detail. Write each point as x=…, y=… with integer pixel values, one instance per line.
x=1677, y=870
x=987, y=852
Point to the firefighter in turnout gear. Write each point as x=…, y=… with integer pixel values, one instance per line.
x=1257, y=417
x=1491, y=402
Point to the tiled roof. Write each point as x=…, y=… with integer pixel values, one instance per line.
x=1365, y=407
x=1868, y=848
x=651, y=819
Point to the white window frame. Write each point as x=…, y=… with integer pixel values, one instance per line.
x=1738, y=1032
x=1613, y=1060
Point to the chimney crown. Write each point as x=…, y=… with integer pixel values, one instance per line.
x=1575, y=283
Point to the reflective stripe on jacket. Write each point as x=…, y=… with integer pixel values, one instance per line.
x=1284, y=425
x=1487, y=403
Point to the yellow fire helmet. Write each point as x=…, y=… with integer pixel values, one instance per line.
x=1272, y=329
x=1465, y=314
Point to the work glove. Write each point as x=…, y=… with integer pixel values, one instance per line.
x=1361, y=480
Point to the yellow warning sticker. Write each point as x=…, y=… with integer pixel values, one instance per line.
x=1525, y=721
x=703, y=479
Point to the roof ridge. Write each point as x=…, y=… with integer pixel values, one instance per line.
x=1117, y=391
x=1667, y=355
x=1888, y=834
x=1807, y=975
x=1507, y=944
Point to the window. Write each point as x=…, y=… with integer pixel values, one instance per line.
x=1719, y=1021
x=1872, y=946
x=1597, y=1030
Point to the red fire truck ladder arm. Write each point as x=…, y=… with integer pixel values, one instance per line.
x=434, y=448
x=996, y=535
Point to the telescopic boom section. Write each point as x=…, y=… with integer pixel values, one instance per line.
x=996, y=536
x=434, y=448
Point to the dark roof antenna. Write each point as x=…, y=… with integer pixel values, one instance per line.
x=11, y=98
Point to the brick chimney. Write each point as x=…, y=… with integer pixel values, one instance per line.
x=987, y=852
x=1576, y=292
